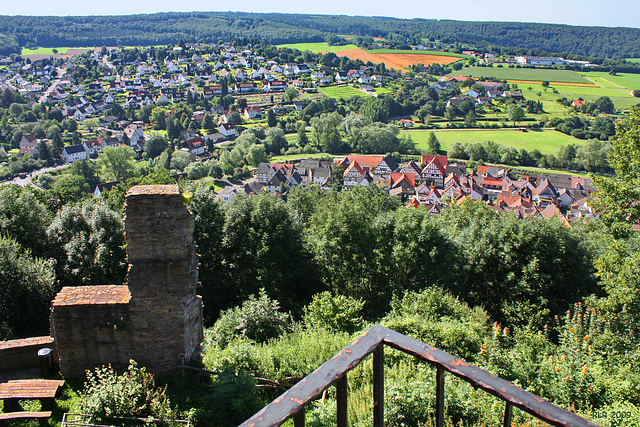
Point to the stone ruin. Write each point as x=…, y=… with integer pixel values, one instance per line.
x=156, y=319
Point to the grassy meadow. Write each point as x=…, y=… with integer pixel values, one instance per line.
x=317, y=47
x=545, y=140
x=621, y=98
x=49, y=50
x=527, y=74
x=568, y=84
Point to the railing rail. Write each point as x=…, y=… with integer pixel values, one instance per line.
x=291, y=403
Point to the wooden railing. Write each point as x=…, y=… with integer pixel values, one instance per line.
x=291, y=403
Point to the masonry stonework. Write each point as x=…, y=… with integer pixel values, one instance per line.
x=156, y=319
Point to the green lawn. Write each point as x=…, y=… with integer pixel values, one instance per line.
x=337, y=92
x=278, y=159
x=382, y=91
x=534, y=74
x=317, y=47
x=545, y=140
x=633, y=59
x=216, y=184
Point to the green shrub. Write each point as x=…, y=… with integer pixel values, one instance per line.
x=334, y=313
x=439, y=319
x=257, y=319
x=132, y=394
x=295, y=354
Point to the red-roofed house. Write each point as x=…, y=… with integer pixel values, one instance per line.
x=196, y=146
x=552, y=211
x=353, y=175
x=545, y=193
x=28, y=143
x=433, y=173
x=412, y=167
x=252, y=112
x=426, y=159
x=403, y=185
x=367, y=163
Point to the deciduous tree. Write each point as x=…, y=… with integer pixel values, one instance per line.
x=619, y=195
x=117, y=162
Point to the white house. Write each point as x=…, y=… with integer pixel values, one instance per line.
x=228, y=130
x=196, y=146
x=72, y=153
x=134, y=133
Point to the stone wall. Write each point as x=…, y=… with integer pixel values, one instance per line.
x=162, y=278
x=157, y=318
x=91, y=325
x=23, y=353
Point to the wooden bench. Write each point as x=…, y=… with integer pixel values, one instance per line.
x=44, y=390
x=24, y=415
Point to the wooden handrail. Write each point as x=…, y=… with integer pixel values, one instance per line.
x=334, y=370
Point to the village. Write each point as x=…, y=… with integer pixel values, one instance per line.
x=227, y=81
x=432, y=182
x=238, y=89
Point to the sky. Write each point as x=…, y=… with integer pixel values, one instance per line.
x=614, y=13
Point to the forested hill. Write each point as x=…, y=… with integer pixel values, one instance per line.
x=162, y=28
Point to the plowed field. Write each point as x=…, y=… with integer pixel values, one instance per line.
x=397, y=60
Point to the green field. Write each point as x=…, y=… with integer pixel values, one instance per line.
x=624, y=81
x=337, y=92
x=418, y=52
x=324, y=47
x=317, y=47
x=49, y=50
x=534, y=74
x=547, y=141
x=633, y=59
x=292, y=138
x=617, y=87
x=620, y=96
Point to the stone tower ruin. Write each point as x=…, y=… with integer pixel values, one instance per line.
x=156, y=319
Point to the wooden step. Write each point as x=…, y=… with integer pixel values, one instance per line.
x=23, y=415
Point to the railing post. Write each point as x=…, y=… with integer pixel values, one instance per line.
x=508, y=414
x=341, y=398
x=378, y=386
x=439, y=397
x=298, y=418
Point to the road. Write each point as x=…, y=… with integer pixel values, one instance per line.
x=23, y=182
x=52, y=87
